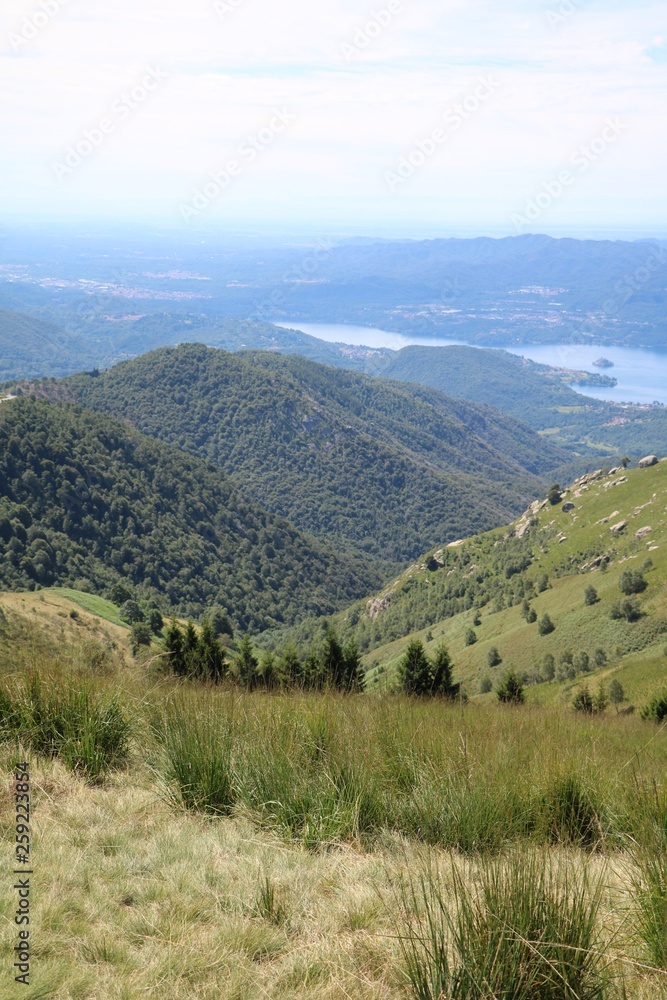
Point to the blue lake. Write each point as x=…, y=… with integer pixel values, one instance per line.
x=641, y=374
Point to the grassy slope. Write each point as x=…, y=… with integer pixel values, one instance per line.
x=134, y=896
x=642, y=501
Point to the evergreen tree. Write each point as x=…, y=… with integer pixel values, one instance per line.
x=173, y=646
x=212, y=656
x=511, y=689
x=290, y=668
x=247, y=663
x=355, y=678
x=442, y=673
x=269, y=673
x=414, y=670
x=333, y=661
x=191, y=658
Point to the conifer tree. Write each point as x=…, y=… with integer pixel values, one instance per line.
x=173, y=645
x=442, y=672
x=247, y=663
x=355, y=679
x=414, y=670
x=212, y=655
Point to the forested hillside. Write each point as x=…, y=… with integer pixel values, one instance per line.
x=86, y=500
x=374, y=465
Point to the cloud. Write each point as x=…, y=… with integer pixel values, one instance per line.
x=228, y=67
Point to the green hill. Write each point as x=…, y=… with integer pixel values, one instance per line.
x=86, y=500
x=31, y=347
x=547, y=558
x=372, y=465
x=536, y=394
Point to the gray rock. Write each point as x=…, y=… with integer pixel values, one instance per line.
x=617, y=528
x=646, y=463
x=643, y=532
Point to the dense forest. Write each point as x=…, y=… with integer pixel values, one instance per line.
x=86, y=501
x=370, y=464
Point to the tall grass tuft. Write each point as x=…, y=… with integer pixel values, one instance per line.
x=528, y=931
x=197, y=741
x=571, y=814
x=649, y=888
x=66, y=719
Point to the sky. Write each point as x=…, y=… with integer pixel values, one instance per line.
x=448, y=117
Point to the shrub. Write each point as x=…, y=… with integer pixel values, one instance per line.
x=656, y=708
x=542, y=583
x=554, y=496
x=485, y=685
x=470, y=637
x=493, y=657
x=600, y=657
x=630, y=609
x=545, y=625
x=548, y=667
x=583, y=702
x=582, y=662
x=590, y=595
x=511, y=690
x=632, y=582
x=140, y=635
x=616, y=693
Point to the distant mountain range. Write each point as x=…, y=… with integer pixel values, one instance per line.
x=493, y=292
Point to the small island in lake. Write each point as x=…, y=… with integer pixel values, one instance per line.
x=603, y=363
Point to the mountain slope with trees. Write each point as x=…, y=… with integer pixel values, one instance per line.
x=86, y=500
x=373, y=465
x=573, y=592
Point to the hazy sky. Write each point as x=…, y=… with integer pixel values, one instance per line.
x=483, y=116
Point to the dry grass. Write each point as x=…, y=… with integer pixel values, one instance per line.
x=136, y=897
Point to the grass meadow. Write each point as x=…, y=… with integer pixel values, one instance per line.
x=200, y=842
